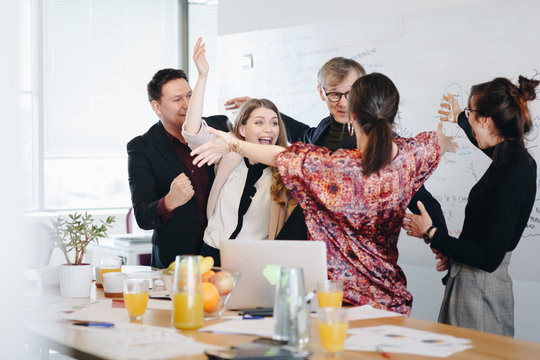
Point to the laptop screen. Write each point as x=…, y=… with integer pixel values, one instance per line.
x=253, y=257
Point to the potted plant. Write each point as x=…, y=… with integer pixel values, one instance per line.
x=73, y=235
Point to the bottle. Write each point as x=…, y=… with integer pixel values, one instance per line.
x=187, y=288
x=291, y=311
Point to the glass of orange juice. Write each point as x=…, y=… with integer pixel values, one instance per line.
x=136, y=297
x=332, y=324
x=187, y=293
x=109, y=264
x=330, y=293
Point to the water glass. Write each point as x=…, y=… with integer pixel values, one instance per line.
x=332, y=324
x=109, y=264
x=330, y=293
x=187, y=293
x=136, y=297
x=291, y=311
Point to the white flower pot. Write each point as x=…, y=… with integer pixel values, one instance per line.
x=76, y=280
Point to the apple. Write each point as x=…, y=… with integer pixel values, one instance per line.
x=224, y=282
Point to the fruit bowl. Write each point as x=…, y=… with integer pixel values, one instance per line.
x=218, y=284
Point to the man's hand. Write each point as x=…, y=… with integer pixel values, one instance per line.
x=180, y=193
x=236, y=102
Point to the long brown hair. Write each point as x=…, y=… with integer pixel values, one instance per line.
x=506, y=104
x=374, y=100
x=241, y=119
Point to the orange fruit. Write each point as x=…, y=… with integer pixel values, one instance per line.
x=210, y=295
x=207, y=275
x=216, y=308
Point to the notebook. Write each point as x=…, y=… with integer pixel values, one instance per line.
x=251, y=257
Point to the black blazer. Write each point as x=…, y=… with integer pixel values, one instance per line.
x=297, y=131
x=152, y=166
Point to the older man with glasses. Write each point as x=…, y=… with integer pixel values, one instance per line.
x=335, y=79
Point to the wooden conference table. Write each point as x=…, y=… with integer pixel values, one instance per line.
x=62, y=337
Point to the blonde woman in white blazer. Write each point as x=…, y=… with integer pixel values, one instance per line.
x=269, y=207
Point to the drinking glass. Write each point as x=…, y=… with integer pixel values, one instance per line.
x=332, y=324
x=109, y=264
x=187, y=290
x=291, y=311
x=136, y=297
x=330, y=293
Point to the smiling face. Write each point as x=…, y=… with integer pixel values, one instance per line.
x=339, y=110
x=261, y=127
x=173, y=104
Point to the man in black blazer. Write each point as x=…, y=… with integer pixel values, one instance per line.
x=335, y=79
x=168, y=192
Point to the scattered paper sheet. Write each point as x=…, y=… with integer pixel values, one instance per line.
x=98, y=311
x=368, y=312
x=260, y=327
x=398, y=339
x=137, y=341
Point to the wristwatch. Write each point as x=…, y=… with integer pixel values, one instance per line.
x=427, y=238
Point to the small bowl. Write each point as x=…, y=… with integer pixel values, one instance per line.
x=227, y=288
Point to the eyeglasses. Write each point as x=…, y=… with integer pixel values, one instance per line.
x=335, y=96
x=468, y=111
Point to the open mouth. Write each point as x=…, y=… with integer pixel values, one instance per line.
x=265, y=140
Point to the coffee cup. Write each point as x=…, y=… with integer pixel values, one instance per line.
x=113, y=284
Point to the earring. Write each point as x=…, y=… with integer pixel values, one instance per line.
x=350, y=128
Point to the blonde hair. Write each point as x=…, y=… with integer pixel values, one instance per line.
x=241, y=119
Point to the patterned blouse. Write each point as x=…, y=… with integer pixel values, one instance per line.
x=359, y=218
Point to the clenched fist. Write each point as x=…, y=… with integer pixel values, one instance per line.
x=180, y=193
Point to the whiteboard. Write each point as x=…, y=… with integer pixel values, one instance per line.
x=426, y=52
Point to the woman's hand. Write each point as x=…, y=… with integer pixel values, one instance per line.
x=446, y=143
x=450, y=109
x=443, y=263
x=416, y=225
x=199, y=57
x=210, y=152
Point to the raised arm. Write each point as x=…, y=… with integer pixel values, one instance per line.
x=223, y=143
x=193, y=120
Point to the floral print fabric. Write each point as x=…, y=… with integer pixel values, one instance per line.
x=359, y=218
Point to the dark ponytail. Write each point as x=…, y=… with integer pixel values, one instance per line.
x=506, y=104
x=374, y=101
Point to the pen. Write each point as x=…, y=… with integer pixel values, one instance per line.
x=383, y=353
x=251, y=317
x=94, y=323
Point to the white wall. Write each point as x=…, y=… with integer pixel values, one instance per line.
x=10, y=149
x=439, y=45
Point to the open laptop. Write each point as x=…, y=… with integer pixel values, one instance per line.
x=251, y=257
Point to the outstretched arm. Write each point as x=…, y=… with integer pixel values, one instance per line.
x=193, y=121
x=223, y=143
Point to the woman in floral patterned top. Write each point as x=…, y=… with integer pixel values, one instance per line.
x=354, y=200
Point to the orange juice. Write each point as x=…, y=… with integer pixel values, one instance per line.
x=136, y=303
x=332, y=298
x=106, y=270
x=188, y=310
x=333, y=336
